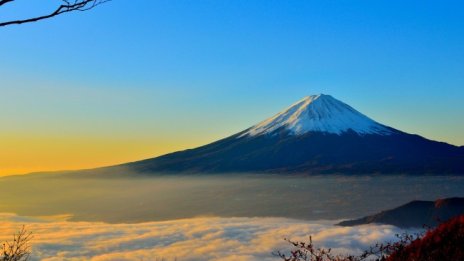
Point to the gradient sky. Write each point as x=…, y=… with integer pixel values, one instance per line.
x=134, y=79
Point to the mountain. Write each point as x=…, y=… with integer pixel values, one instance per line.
x=318, y=134
x=415, y=214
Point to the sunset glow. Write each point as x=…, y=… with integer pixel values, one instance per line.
x=193, y=74
x=231, y=130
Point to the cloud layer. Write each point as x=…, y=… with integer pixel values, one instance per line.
x=209, y=238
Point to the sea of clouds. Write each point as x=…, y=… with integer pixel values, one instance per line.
x=195, y=239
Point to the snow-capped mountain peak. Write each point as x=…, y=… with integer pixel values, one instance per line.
x=319, y=113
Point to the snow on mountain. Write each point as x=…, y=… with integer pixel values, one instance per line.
x=319, y=113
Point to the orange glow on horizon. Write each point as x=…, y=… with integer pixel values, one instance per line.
x=23, y=155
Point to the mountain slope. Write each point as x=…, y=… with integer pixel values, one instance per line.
x=415, y=214
x=318, y=134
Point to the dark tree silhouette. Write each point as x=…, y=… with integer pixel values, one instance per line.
x=306, y=251
x=65, y=7
x=19, y=248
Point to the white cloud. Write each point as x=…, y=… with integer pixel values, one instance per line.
x=211, y=238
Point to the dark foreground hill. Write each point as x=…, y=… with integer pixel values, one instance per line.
x=415, y=214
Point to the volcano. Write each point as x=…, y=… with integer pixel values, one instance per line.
x=316, y=135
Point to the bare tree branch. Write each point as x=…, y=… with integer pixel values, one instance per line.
x=19, y=249
x=2, y=2
x=67, y=6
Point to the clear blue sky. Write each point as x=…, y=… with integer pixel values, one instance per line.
x=142, y=78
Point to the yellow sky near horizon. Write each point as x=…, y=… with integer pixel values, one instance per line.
x=21, y=154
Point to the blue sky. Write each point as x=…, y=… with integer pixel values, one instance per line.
x=170, y=74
